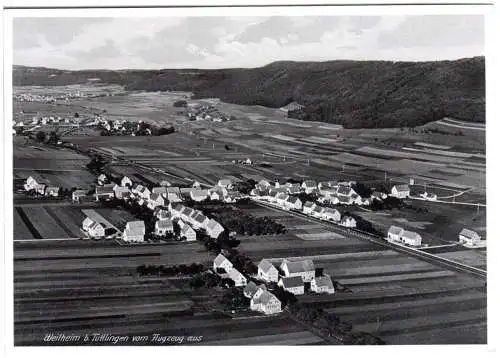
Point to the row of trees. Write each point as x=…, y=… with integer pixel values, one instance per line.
x=245, y=224
x=154, y=270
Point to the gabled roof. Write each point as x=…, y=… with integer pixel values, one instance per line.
x=186, y=211
x=402, y=187
x=159, y=190
x=212, y=224
x=155, y=196
x=266, y=265
x=200, y=218
x=344, y=199
x=324, y=281
x=166, y=223
x=299, y=266
x=251, y=288
x=265, y=298
x=331, y=211
x=410, y=235
x=308, y=204
x=235, y=274
x=225, y=182
x=309, y=183
x=292, y=199
x=220, y=259
x=344, y=190
x=52, y=188
x=185, y=228
x=348, y=218
x=318, y=209
x=102, y=177
x=395, y=230
x=173, y=190
x=199, y=192
x=292, y=282
x=470, y=234
x=281, y=196
x=104, y=190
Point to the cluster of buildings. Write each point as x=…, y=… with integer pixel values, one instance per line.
x=29, y=97
x=36, y=183
x=398, y=234
x=328, y=214
x=206, y=112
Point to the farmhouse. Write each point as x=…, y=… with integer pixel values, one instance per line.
x=225, y=183
x=214, y=229
x=400, y=191
x=303, y=268
x=292, y=202
x=308, y=207
x=199, y=194
x=187, y=231
x=222, y=262
x=469, y=237
x=77, y=195
x=33, y=183
x=332, y=199
x=292, y=284
x=237, y=277
x=251, y=289
x=395, y=233
x=265, y=302
x=174, y=194
x=134, y=231
x=411, y=238
x=322, y=284
x=155, y=200
x=309, y=186
x=348, y=221
x=104, y=192
x=331, y=214
x=162, y=227
x=102, y=179
x=52, y=191
x=126, y=181
x=120, y=191
x=346, y=189
x=266, y=271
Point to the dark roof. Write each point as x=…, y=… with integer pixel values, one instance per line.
x=294, y=281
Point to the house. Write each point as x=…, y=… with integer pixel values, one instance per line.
x=161, y=213
x=216, y=195
x=344, y=199
x=165, y=183
x=281, y=199
x=52, y=191
x=345, y=189
x=155, y=200
x=266, y=271
x=378, y=195
x=331, y=199
x=251, y=289
x=176, y=209
x=120, y=191
x=469, y=237
x=214, y=229
x=40, y=189
x=102, y=179
x=292, y=284
x=134, y=231
x=200, y=221
x=144, y=192
x=222, y=262
x=160, y=190
x=186, y=213
x=429, y=196
x=411, y=238
x=199, y=194
x=265, y=302
x=174, y=194
x=293, y=189
x=196, y=184
x=322, y=284
x=348, y=221
x=96, y=230
x=395, y=233
x=104, y=192
x=400, y=191
x=162, y=227
x=292, y=106
x=87, y=223
x=264, y=183
x=126, y=181
x=225, y=183
x=237, y=277
x=325, y=185
x=302, y=268
x=317, y=212
x=308, y=207
x=309, y=186
x=187, y=232
x=32, y=183
x=330, y=214
x=292, y=202
x=77, y=195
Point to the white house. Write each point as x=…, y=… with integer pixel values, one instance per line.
x=331, y=214
x=302, y=268
x=200, y=221
x=165, y=183
x=309, y=186
x=266, y=271
x=281, y=199
x=77, y=195
x=237, y=277
x=292, y=202
x=325, y=185
x=429, y=196
x=161, y=213
x=346, y=189
x=134, y=231
x=264, y=183
x=126, y=181
x=96, y=230
x=322, y=284
x=395, y=233
x=144, y=192
x=199, y=194
x=214, y=229
x=308, y=207
x=104, y=192
x=317, y=211
x=225, y=183
x=52, y=191
x=411, y=238
x=348, y=221
x=216, y=195
x=102, y=179
x=87, y=223
x=187, y=232
x=251, y=289
x=469, y=237
x=222, y=262
x=175, y=209
x=265, y=302
x=160, y=190
x=155, y=200
x=120, y=191
x=378, y=195
x=293, y=284
x=293, y=189
x=400, y=191
x=162, y=227
x=186, y=213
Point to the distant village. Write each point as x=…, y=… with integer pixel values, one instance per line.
x=206, y=112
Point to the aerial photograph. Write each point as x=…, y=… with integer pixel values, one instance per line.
x=249, y=180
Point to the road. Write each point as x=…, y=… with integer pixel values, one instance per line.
x=424, y=256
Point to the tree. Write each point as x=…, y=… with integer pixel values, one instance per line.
x=180, y=103
x=76, y=115
x=53, y=138
x=41, y=136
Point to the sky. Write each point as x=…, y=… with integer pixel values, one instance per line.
x=226, y=42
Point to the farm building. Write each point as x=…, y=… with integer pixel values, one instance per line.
x=292, y=202
x=134, y=231
x=102, y=179
x=303, y=268
x=104, y=192
x=331, y=214
x=470, y=237
x=174, y=194
x=237, y=277
x=199, y=194
x=196, y=184
x=225, y=183
x=395, y=233
x=348, y=221
x=33, y=183
x=222, y=262
x=162, y=227
x=251, y=289
x=187, y=232
x=77, y=195
x=266, y=271
x=265, y=302
x=309, y=186
x=411, y=238
x=144, y=192
x=322, y=284
x=400, y=191
x=120, y=191
x=292, y=284
x=347, y=190
x=155, y=200
x=52, y=191
x=126, y=181
x=214, y=229
x=308, y=207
